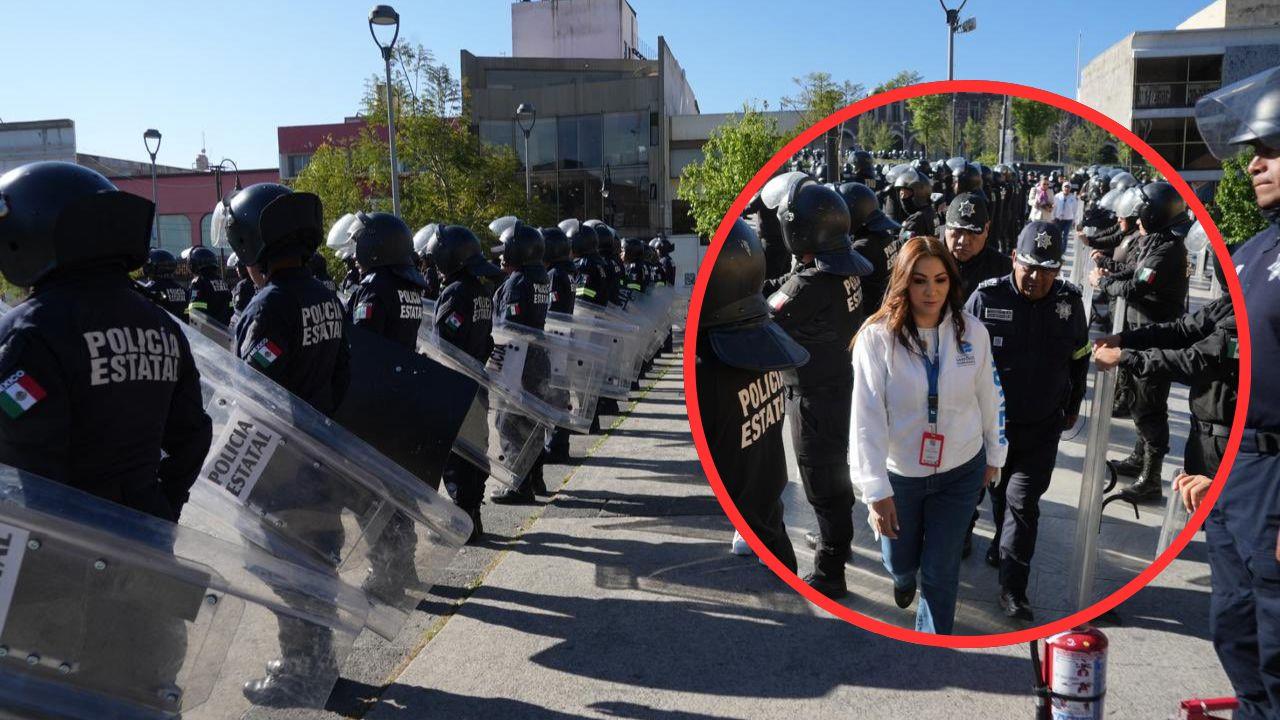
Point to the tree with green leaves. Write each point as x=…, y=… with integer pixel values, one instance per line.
x=1237, y=205
x=733, y=154
x=991, y=133
x=1087, y=144
x=1031, y=121
x=873, y=135
x=974, y=142
x=931, y=121
x=902, y=79
x=819, y=96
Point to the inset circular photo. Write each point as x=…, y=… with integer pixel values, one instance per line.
x=958, y=355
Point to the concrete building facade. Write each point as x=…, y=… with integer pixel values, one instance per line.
x=1150, y=80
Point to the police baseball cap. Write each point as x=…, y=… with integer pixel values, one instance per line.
x=968, y=211
x=1040, y=245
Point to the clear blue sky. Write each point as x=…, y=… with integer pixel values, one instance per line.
x=236, y=70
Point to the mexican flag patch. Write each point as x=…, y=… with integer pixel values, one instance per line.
x=454, y=321
x=19, y=393
x=364, y=311
x=1233, y=348
x=265, y=353
x=778, y=299
x=1147, y=275
x=513, y=310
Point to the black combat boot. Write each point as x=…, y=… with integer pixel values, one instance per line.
x=1132, y=465
x=828, y=572
x=1147, y=488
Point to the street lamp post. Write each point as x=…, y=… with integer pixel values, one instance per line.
x=526, y=111
x=153, y=136
x=604, y=195
x=386, y=15
x=955, y=27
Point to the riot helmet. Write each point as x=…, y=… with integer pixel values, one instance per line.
x=583, y=240
x=968, y=179
x=200, y=259
x=555, y=244
x=456, y=248
x=382, y=240
x=606, y=238
x=160, y=264
x=1243, y=113
x=268, y=221
x=863, y=164
x=55, y=215
x=1162, y=207
x=633, y=250
x=521, y=245
x=815, y=221
x=422, y=239
x=662, y=245
x=864, y=210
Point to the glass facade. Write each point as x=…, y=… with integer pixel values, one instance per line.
x=626, y=138
x=1178, y=141
x=1175, y=81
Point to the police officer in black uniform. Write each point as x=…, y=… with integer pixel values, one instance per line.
x=765, y=223
x=591, y=274
x=864, y=169
x=1155, y=289
x=966, y=235
x=159, y=285
x=666, y=273
x=524, y=299
x=245, y=288
x=635, y=273
x=209, y=292
x=1241, y=531
x=741, y=354
x=559, y=262
x=873, y=232
x=86, y=345
x=388, y=300
x=820, y=306
x=1040, y=344
x=352, y=278
x=610, y=253
x=464, y=319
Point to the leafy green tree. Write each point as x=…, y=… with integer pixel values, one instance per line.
x=733, y=154
x=873, y=135
x=1087, y=144
x=1237, y=205
x=974, y=142
x=991, y=133
x=931, y=121
x=819, y=96
x=1031, y=121
x=902, y=79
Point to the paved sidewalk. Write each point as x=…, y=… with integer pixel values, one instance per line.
x=621, y=600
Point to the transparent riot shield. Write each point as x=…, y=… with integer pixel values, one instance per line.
x=284, y=477
x=109, y=613
x=632, y=343
x=1093, y=480
x=560, y=380
x=212, y=329
x=610, y=336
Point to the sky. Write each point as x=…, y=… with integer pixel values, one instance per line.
x=236, y=70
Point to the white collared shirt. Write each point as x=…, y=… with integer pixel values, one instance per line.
x=890, y=406
x=1064, y=206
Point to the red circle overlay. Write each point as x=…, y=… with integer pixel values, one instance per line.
x=691, y=389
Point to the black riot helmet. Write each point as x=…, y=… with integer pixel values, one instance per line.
x=318, y=266
x=555, y=244
x=921, y=166
x=202, y=258
x=735, y=318
x=55, y=215
x=583, y=240
x=381, y=240
x=968, y=179
x=662, y=245
x=861, y=202
x=456, y=248
x=160, y=264
x=863, y=164
x=633, y=250
x=1246, y=112
x=920, y=187
x=521, y=245
x=606, y=238
x=268, y=221
x=987, y=177
x=815, y=220
x=1162, y=207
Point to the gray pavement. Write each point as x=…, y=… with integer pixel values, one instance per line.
x=619, y=599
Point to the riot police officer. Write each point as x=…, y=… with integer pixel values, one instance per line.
x=635, y=273
x=1241, y=531
x=591, y=274
x=1155, y=289
x=99, y=391
x=864, y=169
x=388, y=300
x=352, y=278
x=610, y=253
x=245, y=288
x=464, y=319
x=209, y=292
x=873, y=232
x=560, y=270
x=320, y=271
x=159, y=285
x=1040, y=343
x=524, y=299
x=665, y=263
x=740, y=354
x=966, y=234
x=820, y=306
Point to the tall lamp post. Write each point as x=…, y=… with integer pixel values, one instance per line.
x=526, y=112
x=604, y=195
x=386, y=15
x=955, y=27
x=150, y=137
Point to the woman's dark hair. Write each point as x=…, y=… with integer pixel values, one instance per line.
x=895, y=311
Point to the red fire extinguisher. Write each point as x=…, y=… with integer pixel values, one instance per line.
x=1071, y=677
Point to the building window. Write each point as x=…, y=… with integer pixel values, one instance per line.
x=498, y=133
x=578, y=142
x=293, y=164
x=175, y=233
x=1178, y=141
x=625, y=139
x=1175, y=82
x=542, y=144
x=627, y=207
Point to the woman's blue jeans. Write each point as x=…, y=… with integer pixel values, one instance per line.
x=933, y=518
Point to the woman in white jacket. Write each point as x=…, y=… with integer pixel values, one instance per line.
x=920, y=456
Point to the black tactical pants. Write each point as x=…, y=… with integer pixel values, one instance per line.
x=760, y=502
x=819, y=421
x=1150, y=410
x=1206, y=444
x=1015, y=502
x=464, y=482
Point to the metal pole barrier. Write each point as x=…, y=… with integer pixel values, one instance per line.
x=1084, y=560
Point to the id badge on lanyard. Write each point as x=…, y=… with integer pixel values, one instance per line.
x=931, y=442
